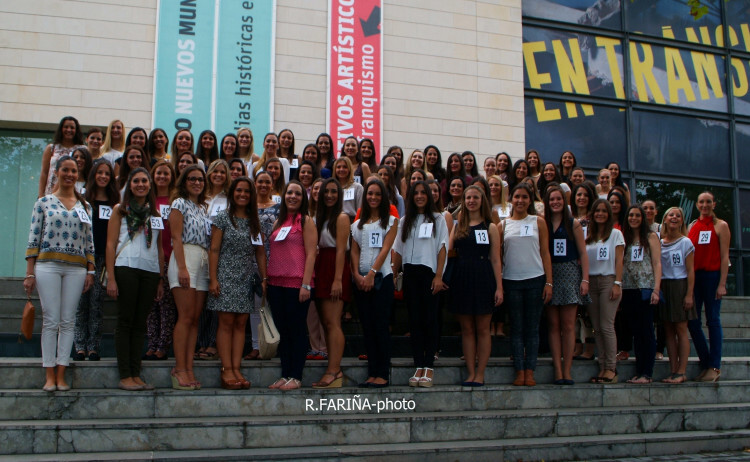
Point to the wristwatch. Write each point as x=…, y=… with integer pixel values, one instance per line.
x=618, y=283
x=306, y=286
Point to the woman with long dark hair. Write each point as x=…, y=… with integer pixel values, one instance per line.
x=566, y=165
x=208, y=148
x=228, y=149
x=67, y=138
x=433, y=162
x=519, y=171
x=326, y=151
x=286, y=151
x=158, y=144
x=470, y=164
x=504, y=166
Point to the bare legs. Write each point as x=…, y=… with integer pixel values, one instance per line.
x=678, y=348
x=561, y=321
x=330, y=315
x=230, y=341
x=189, y=303
x=477, y=344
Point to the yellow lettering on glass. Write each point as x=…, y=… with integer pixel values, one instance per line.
x=745, y=29
x=543, y=114
x=536, y=79
x=643, y=73
x=705, y=67
x=677, y=76
x=570, y=68
x=609, y=45
x=739, y=81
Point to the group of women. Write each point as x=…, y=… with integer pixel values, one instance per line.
x=192, y=242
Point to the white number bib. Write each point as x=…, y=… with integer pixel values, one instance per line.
x=481, y=236
x=219, y=208
x=283, y=233
x=82, y=215
x=105, y=212
x=585, y=232
x=704, y=237
x=376, y=239
x=256, y=240
x=276, y=198
x=357, y=179
x=636, y=253
x=527, y=231
x=164, y=210
x=676, y=257
x=560, y=248
x=349, y=194
x=157, y=223
x=294, y=164
x=425, y=231
x=602, y=252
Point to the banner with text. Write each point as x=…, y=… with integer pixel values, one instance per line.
x=355, y=71
x=214, y=66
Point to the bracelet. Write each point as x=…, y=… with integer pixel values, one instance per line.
x=585, y=280
x=306, y=286
x=548, y=284
x=618, y=283
x=30, y=276
x=91, y=272
x=373, y=270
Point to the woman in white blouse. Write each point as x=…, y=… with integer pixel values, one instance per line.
x=352, y=190
x=421, y=245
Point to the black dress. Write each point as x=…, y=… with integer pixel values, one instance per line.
x=472, y=284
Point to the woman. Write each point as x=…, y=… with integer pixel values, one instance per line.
x=517, y=174
x=237, y=168
x=415, y=162
x=455, y=170
x=134, y=264
x=236, y=245
x=217, y=193
x=316, y=333
x=368, y=155
x=550, y=174
x=268, y=212
x=650, y=211
x=398, y=154
x=183, y=160
x=570, y=273
x=352, y=191
x=133, y=157
x=455, y=196
x=183, y=142
x=437, y=199
x=604, y=185
x=616, y=178
x=499, y=198
x=385, y=174
x=94, y=140
x=325, y=149
x=228, y=149
x=711, y=237
x=275, y=168
x=618, y=200
x=207, y=150
x=470, y=164
x=290, y=273
x=391, y=161
x=350, y=150
x=566, y=165
x=188, y=269
x=577, y=176
x=538, y=204
x=372, y=238
x=312, y=154
x=433, y=162
x=332, y=274
x=421, y=248
x=306, y=175
x=286, y=151
x=83, y=159
x=102, y=195
x=504, y=166
x=270, y=151
x=161, y=320
x=527, y=279
x=490, y=167
x=114, y=141
x=67, y=138
x=245, y=147
x=678, y=280
x=136, y=137
x=605, y=247
x=477, y=281
x=60, y=253
x=583, y=199
x=640, y=290
x=158, y=143
x=619, y=203
x=535, y=164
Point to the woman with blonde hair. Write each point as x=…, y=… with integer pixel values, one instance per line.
x=415, y=162
x=351, y=190
x=245, y=147
x=270, y=151
x=114, y=141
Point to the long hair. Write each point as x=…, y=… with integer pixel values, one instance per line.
x=510, y=164
x=639, y=234
x=289, y=155
x=246, y=156
x=313, y=201
x=227, y=180
x=538, y=163
x=77, y=137
x=439, y=201
x=152, y=135
x=595, y=229
x=172, y=174
x=129, y=141
x=325, y=214
x=512, y=180
x=264, y=157
x=128, y=195
x=176, y=152
x=176, y=164
x=58, y=165
x=107, y=143
x=616, y=181
x=122, y=179
x=526, y=187
x=391, y=183
x=284, y=212
x=560, y=165
x=462, y=227
x=251, y=209
x=348, y=163
x=207, y=156
x=437, y=171
x=474, y=172
x=574, y=205
x=503, y=190
x=383, y=209
x=371, y=161
x=111, y=191
x=543, y=183
x=408, y=169
x=278, y=183
x=399, y=173
x=624, y=203
x=222, y=154
x=313, y=167
x=567, y=218
x=412, y=212
x=87, y=161
x=181, y=190
x=331, y=153
x=461, y=169
x=664, y=230
x=319, y=163
x=237, y=160
x=358, y=156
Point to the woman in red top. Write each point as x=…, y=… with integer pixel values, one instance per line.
x=711, y=237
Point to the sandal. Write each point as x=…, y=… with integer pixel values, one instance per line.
x=675, y=378
x=414, y=379
x=277, y=384
x=337, y=380
x=252, y=355
x=640, y=379
x=426, y=381
x=291, y=384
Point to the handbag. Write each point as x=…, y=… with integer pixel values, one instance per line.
x=398, y=281
x=104, y=275
x=27, y=320
x=268, y=335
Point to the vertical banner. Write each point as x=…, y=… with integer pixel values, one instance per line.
x=214, y=66
x=355, y=71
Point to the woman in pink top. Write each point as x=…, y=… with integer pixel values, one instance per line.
x=294, y=242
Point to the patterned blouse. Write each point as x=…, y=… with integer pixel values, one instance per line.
x=61, y=235
x=194, y=222
x=638, y=272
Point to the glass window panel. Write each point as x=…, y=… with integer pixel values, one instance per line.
x=740, y=78
x=733, y=276
x=675, y=194
x=594, y=13
x=742, y=145
x=672, y=19
x=678, y=77
x=552, y=128
x=664, y=143
x=745, y=220
x=738, y=19
x=573, y=63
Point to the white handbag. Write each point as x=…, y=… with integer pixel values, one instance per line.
x=268, y=335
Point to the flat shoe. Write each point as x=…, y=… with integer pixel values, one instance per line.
x=568, y=382
x=94, y=356
x=379, y=385
x=582, y=358
x=135, y=387
x=63, y=387
x=559, y=382
x=79, y=356
x=49, y=388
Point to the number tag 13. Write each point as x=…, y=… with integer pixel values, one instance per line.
x=481, y=236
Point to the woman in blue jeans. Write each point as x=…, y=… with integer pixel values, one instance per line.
x=527, y=279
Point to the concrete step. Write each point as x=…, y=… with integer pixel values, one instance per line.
x=362, y=427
